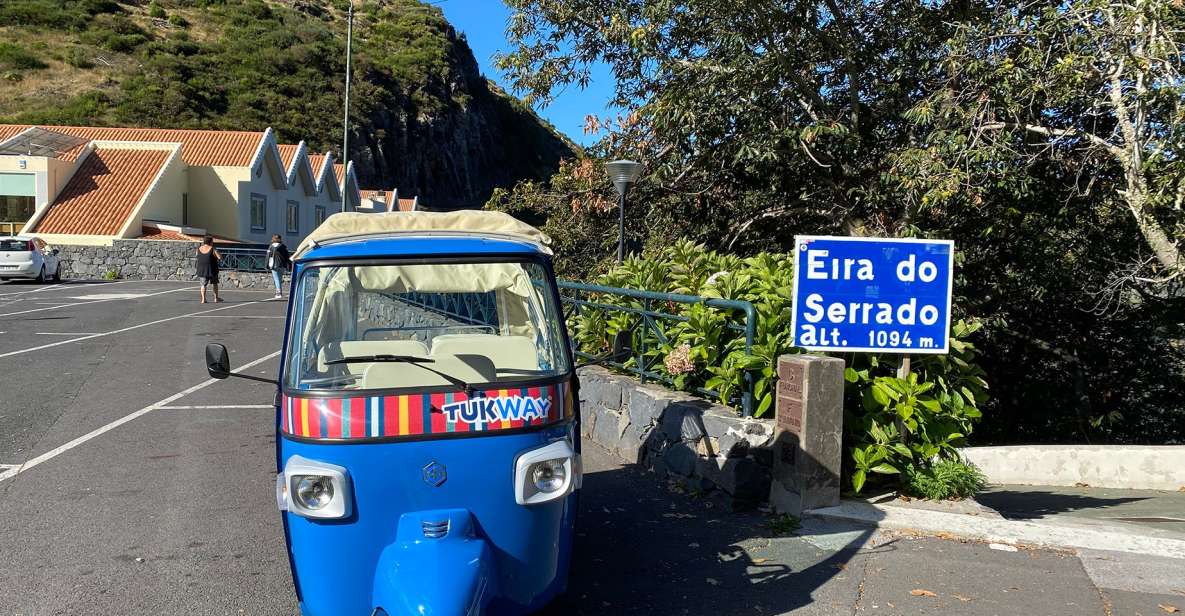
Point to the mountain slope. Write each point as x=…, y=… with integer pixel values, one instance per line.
x=423, y=119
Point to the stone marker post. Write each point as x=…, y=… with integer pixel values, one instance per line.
x=808, y=433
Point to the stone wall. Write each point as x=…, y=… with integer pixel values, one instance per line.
x=146, y=260
x=705, y=446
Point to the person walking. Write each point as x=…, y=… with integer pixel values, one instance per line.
x=207, y=266
x=278, y=259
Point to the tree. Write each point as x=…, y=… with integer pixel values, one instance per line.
x=1094, y=84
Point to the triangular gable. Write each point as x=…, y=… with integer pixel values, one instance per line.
x=268, y=155
x=325, y=178
x=349, y=188
x=301, y=168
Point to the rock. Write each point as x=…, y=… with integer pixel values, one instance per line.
x=680, y=459
x=608, y=429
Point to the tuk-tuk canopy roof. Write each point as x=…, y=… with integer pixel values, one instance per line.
x=360, y=225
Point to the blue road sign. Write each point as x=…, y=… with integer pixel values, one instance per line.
x=872, y=294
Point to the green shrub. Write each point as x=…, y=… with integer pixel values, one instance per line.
x=943, y=480
x=15, y=57
x=890, y=423
x=79, y=58
x=155, y=10
x=178, y=21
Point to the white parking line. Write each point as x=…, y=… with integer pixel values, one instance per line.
x=231, y=316
x=57, y=451
x=216, y=406
x=65, y=333
x=97, y=301
x=121, y=330
x=62, y=286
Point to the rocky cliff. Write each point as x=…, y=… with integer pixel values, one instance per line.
x=423, y=118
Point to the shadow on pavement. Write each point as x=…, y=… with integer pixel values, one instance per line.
x=1034, y=504
x=641, y=548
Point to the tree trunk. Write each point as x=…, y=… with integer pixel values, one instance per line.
x=1165, y=250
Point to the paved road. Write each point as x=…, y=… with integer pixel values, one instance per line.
x=147, y=489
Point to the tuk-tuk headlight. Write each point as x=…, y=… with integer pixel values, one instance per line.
x=313, y=491
x=549, y=475
x=546, y=473
x=316, y=489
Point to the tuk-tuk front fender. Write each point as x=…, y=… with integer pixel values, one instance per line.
x=437, y=566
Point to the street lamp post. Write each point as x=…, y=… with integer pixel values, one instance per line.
x=623, y=173
x=346, y=120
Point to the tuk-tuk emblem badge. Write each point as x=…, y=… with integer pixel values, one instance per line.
x=435, y=474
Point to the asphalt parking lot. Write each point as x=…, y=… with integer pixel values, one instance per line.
x=131, y=483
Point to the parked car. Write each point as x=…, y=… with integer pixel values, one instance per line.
x=23, y=257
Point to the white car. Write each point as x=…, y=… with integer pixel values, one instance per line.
x=24, y=257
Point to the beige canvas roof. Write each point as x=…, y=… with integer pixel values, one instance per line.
x=347, y=225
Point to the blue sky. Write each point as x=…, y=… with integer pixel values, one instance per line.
x=484, y=24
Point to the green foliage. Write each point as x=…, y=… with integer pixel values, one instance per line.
x=111, y=274
x=715, y=337
x=155, y=10
x=943, y=480
x=783, y=525
x=79, y=58
x=892, y=423
x=17, y=58
x=757, y=121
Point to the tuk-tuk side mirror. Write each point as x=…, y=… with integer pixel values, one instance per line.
x=218, y=365
x=217, y=361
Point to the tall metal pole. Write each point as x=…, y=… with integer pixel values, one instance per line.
x=346, y=119
x=620, y=227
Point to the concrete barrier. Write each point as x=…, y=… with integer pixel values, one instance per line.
x=1142, y=467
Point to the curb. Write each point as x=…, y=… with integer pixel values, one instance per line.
x=1060, y=534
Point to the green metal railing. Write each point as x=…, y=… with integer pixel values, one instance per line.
x=576, y=294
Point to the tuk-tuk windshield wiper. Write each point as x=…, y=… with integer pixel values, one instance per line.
x=403, y=359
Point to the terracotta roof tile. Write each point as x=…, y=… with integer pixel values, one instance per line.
x=339, y=171
x=287, y=153
x=156, y=233
x=103, y=192
x=199, y=148
x=316, y=161
x=406, y=205
x=153, y=233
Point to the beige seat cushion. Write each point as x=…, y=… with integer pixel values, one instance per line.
x=514, y=352
x=354, y=348
x=389, y=375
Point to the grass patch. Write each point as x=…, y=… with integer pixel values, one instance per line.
x=783, y=525
x=18, y=58
x=943, y=480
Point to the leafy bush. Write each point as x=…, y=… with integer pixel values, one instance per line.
x=943, y=480
x=891, y=423
x=178, y=21
x=713, y=338
x=18, y=58
x=155, y=10
x=79, y=58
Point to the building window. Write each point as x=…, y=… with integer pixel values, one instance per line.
x=319, y=214
x=258, y=212
x=184, y=208
x=293, y=217
x=15, y=208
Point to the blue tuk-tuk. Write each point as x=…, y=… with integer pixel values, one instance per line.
x=427, y=450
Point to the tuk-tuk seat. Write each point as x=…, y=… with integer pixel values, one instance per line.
x=354, y=348
x=467, y=367
x=505, y=352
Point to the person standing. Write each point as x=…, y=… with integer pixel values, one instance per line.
x=207, y=266
x=278, y=259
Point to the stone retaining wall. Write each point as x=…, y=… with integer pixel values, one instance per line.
x=146, y=260
x=705, y=446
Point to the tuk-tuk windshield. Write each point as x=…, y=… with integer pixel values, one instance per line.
x=367, y=327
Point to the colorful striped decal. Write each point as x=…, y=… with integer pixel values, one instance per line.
x=420, y=414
